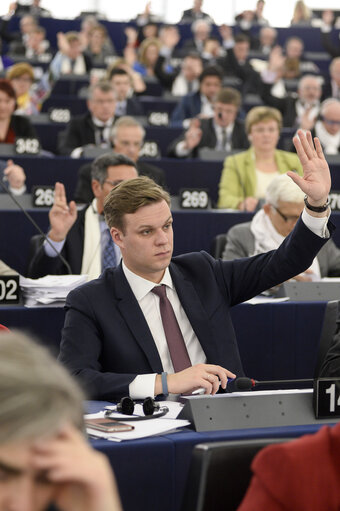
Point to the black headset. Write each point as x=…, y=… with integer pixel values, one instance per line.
x=126, y=406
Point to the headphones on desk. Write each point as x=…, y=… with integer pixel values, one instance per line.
x=126, y=406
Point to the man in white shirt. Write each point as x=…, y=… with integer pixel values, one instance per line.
x=82, y=238
x=157, y=325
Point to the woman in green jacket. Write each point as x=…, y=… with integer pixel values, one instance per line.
x=246, y=175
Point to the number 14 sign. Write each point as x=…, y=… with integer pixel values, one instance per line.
x=327, y=398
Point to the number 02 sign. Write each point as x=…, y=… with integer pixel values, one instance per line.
x=9, y=289
x=327, y=398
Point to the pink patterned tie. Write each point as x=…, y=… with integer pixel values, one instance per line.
x=178, y=351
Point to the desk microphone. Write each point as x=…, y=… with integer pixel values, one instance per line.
x=243, y=383
x=33, y=222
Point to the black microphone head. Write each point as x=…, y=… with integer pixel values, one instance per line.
x=244, y=383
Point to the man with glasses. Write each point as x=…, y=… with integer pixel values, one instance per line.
x=327, y=128
x=269, y=227
x=83, y=238
x=94, y=127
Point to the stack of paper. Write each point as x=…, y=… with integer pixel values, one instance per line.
x=49, y=291
x=142, y=428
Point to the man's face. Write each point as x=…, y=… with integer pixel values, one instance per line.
x=121, y=85
x=27, y=24
x=335, y=72
x=225, y=114
x=241, y=50
x=102, y=105
x=210, y=87
x=331, y=119
x=202, y=31
x=191, y=68
x=310, y=90
x=284, y=216
x=22, y=488
x=115, y=175
x=74, y=49
x=128, y=141
x=294, y=49
x=267, y=36
x=147, y=241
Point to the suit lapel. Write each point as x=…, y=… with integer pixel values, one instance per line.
x=135, y=320
x=193, y=308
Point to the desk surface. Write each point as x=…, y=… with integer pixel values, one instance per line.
x=152, y=472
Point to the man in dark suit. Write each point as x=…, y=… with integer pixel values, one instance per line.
x=82, y=238
x=94, y=127
x=222, y=132
x=306, y=103
x=127, y=138
x=154, y=324
x=201, y=102
x=125, y=105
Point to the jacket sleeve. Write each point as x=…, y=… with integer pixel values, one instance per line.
x=231, y=190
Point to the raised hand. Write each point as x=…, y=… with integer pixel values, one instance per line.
x=15, y=175
x=62, y=215
x=316, y=180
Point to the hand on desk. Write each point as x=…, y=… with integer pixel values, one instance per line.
x=81, y=476
x=207, y=376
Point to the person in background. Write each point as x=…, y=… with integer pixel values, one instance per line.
x=331, y=87
x=12, y=126
x=199, y=104
x=13, y=176
x=195, y=13
x=94, y=127
x=17, y=40
x=127, y=138
x=98, y=49
x=37, y=46
x=272, y=223
x=82, y=238
x=246, y=175
x=183, y=80
x=200, y=29
x=44, y=456
x=294, y=48
x=302, y=16
x=223, y=131
x=126, y=104
x=326, y=126
x=292, y=107
x=21, y=76
x=148, y=53
x=137, y=81
x=248, y=18
x=69, y=59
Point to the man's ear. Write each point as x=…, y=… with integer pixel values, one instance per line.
x=117, y=236
x=96, y=188
x=267, y=208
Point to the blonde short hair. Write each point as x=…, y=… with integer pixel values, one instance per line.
x=262, y=114
x=20, y=69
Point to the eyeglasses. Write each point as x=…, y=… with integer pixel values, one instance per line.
x=113, y=183
x=286, y=218
x=330, y=122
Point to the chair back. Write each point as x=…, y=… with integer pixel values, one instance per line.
x=328, y=330
x=218, y=244
x=220, y=473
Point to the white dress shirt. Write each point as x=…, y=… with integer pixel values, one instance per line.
x=144, y=385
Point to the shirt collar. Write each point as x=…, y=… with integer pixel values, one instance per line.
x=140, y=286
x=101, y=124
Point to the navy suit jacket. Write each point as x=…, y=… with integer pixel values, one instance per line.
x=106, y=341
x=187, y=108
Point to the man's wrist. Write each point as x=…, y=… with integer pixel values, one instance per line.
x=317, y=208
x=56, y=237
